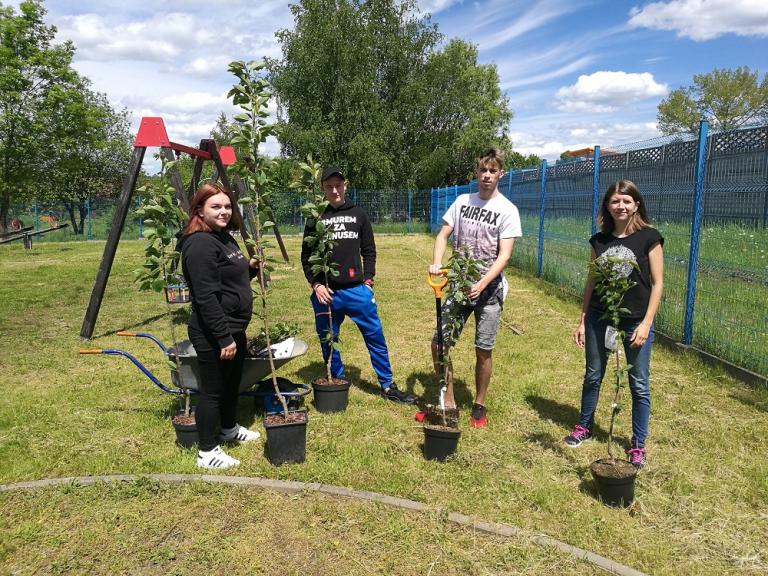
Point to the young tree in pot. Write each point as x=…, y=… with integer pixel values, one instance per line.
x=331, y=394
x=610, y=275
x=163, y=218
x=251, y=94
x=441, y=432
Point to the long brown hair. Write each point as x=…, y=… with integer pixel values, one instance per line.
x=196, y=222
x=637, y=221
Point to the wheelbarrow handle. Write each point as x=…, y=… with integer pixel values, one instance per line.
x=139, y=365
x=144, y=335
x=438, y=282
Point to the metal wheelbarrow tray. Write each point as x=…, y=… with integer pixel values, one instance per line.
x=186, y=378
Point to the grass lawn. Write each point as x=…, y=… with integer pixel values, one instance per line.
x=701, y=501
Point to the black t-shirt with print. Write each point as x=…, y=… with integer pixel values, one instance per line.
x=635, y=247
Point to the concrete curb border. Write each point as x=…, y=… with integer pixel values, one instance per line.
x=292, y=487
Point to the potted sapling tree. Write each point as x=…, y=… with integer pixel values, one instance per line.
x=614, y=478
x=162, y=219
x=286, y=430
x=441, y=428
x=331, y=394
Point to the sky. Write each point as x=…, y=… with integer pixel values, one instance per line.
x=577, y=73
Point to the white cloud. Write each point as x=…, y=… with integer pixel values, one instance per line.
x=160, y=38
x=554, y=139
x=528, y=79
x=606, y=91
x=704, y=19
x=435, y=6
x=207, y=65
x=537, y=16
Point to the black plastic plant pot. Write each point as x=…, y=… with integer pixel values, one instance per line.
x=615, y=481
x=186, y=432
x=331, y=397
x=286, y=441
x=440, y=442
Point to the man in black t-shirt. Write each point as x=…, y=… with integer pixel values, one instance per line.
x=350, y=294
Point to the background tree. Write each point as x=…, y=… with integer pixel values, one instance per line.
x=88, y=149
x=516, y=161
x=356, y=86
x=29, y=68
x=726, y=98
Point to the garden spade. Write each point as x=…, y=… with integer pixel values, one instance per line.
x=438, y=282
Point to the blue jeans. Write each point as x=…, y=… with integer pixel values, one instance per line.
x=596, y=364
x=359, y=304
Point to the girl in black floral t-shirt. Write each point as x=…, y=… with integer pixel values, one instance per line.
x=626, y=233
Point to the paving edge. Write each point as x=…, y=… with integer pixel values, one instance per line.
x=292, y=487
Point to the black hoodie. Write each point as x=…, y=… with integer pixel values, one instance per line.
x=219, y=279
x=354, y=238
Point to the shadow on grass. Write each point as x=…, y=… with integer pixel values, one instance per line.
x=180, y=316
x=586, y=483
x=757, y=399
x=431, y=384
x=567, y=416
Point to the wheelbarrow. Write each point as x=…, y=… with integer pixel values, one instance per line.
x=185, y=379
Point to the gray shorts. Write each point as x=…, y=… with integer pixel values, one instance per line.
x=487, y=320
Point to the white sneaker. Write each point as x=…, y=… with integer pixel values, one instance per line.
x=216, y=459
x=238, y=434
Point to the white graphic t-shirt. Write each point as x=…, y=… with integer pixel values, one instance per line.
x=480, y=225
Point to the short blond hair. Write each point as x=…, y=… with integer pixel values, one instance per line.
x=491, y=155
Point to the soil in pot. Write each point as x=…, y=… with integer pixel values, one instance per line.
x=615, y=481
x=331, y=396
x=186, y=429
x=286, y=437
x=448, y=418
x=441, y=433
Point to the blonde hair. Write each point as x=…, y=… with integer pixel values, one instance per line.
x=491, y=155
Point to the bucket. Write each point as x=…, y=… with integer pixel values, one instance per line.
x=439, y=443
x=331, y=397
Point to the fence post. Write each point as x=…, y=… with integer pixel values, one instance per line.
x=765, y=197
x=541, y=217
x=301, y=215
x=698, y=210
x=141, y=220
x=432, y=209
x=88, y=216
x=410, y=204
x=509, y=186
x=595, y=189
x=37, y=217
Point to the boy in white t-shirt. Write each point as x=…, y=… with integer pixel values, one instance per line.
x=487, y=223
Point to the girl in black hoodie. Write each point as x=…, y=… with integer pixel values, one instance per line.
x=219, y=278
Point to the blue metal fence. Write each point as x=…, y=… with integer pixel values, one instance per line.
x=707, y=195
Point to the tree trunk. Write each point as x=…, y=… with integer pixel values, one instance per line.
x=82, y=210
x=3, y=215
x=69, y=205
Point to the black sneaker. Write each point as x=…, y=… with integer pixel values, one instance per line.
x=396, y=395
x=580, y=434
x=479, y=418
